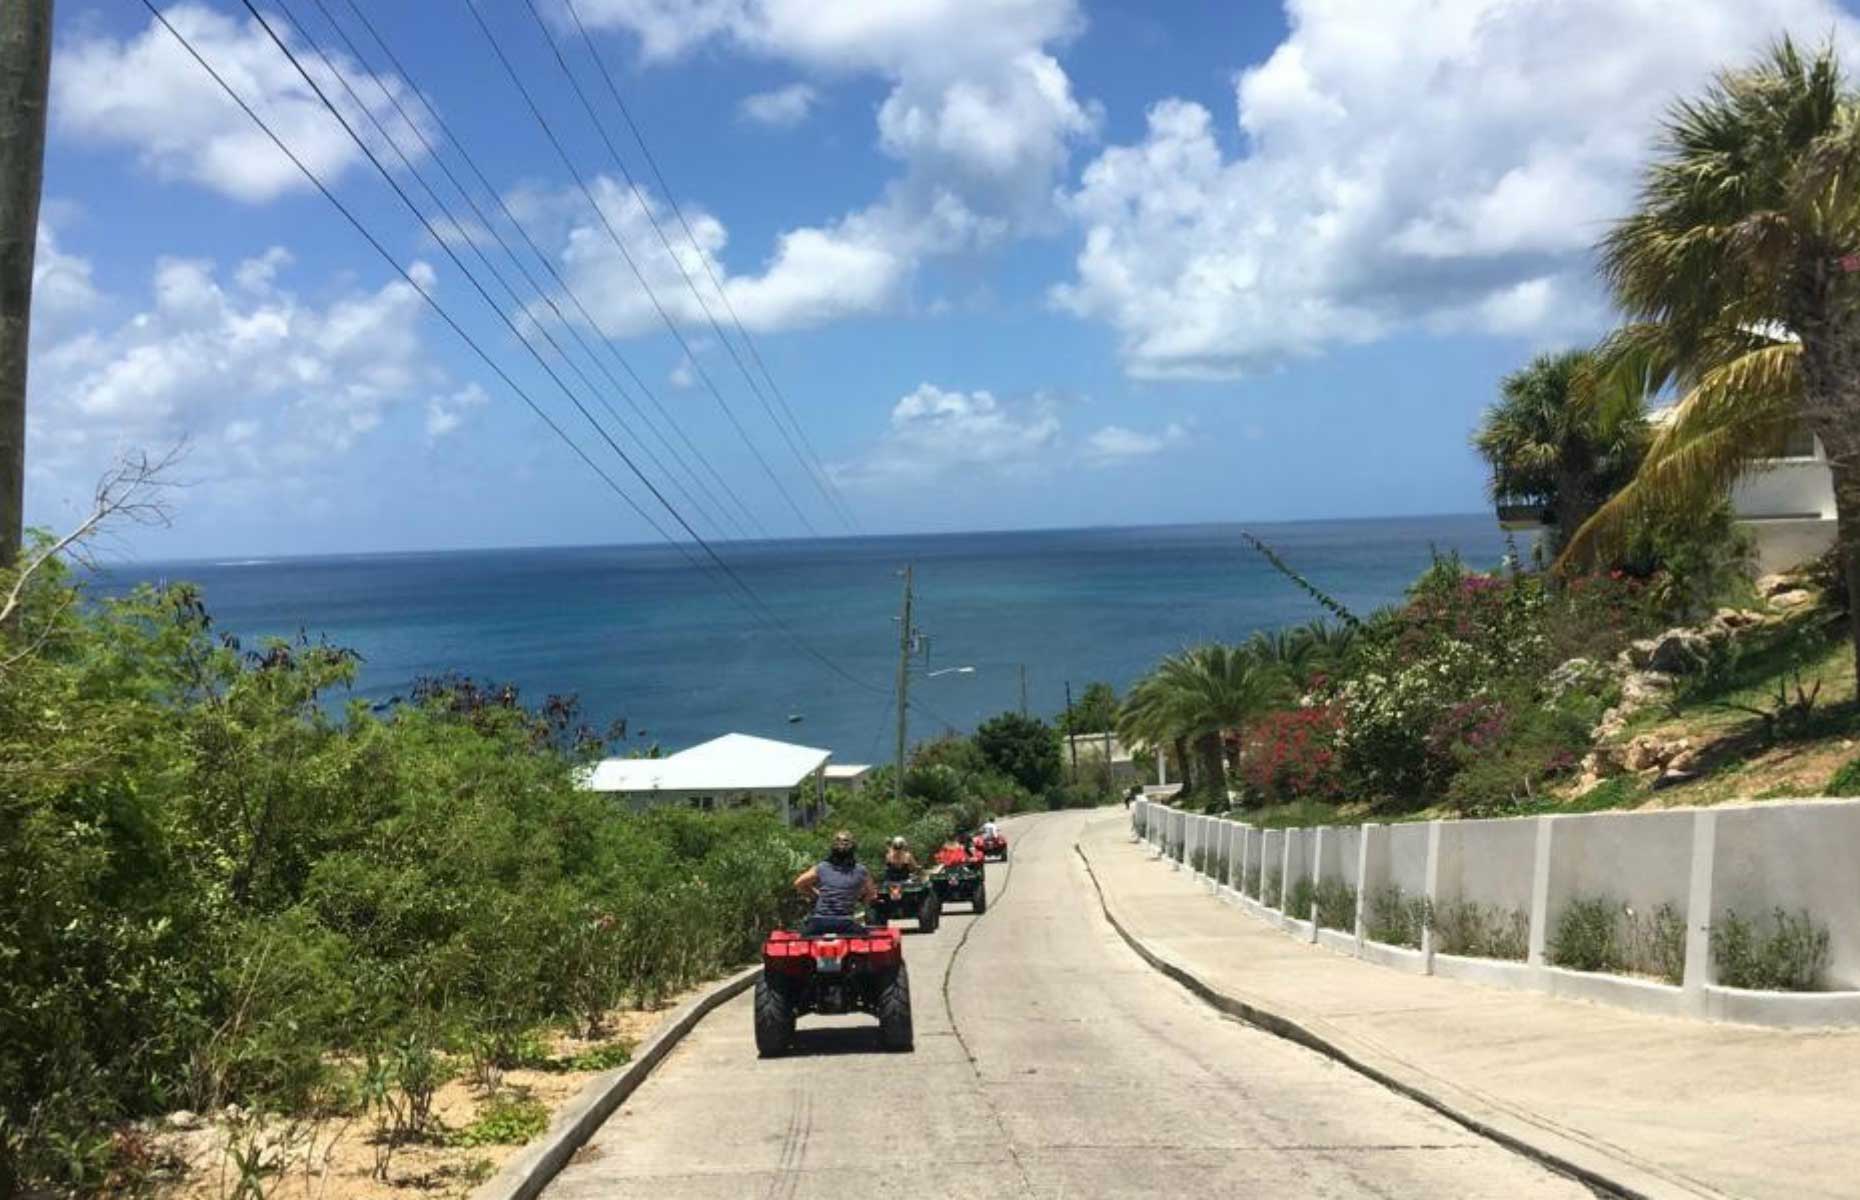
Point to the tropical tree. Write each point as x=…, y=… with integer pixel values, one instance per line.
x=1199, y=694
x=1145, y=719
x=1305, y=650
x=1026, y=749
x=1740, y=267
x=1095, y=712
x=1559, y=438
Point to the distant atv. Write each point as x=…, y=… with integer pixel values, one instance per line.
x=993, y=848
x=960, y=877
x=905, y=899
x=832, y=974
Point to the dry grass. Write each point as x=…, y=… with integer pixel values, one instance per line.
x=335, y=1161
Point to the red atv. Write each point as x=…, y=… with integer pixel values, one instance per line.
x=993, y=847
x=832, y=973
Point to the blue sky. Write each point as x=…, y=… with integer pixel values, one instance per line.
x=1013, y=262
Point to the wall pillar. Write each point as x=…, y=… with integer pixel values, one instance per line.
x=1285, y=876
x=1370, y=833
x=1540, y=892
x=1431, y=889
x=1317, y=867
x=1699, y=908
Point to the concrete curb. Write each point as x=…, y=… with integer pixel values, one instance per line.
x=1592, y=1166
x=526, y=1175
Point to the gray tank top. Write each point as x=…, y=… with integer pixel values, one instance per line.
x=839, y=889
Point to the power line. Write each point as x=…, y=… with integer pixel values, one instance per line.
x=400, y=270
x=541, y=256
x=665, y=189
x=809, y=467
x=483, y=257
x=756, y=604
x=601, y=214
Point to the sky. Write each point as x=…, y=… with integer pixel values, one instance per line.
x=926, y=265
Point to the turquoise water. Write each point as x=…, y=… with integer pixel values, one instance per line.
x=638, y=633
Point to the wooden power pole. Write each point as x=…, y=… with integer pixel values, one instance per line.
x=904, y=684
x=25, y=75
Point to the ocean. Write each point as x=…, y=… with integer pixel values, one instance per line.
x=638, y=633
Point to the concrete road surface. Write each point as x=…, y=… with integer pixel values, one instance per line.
x=1050, y=1062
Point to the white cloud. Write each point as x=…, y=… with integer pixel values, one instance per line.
x=935, y=433
x=62, y=288
x=980, y=115
x=445, y=414
x=1115, y=443
x=814, y=276
x=261, y=383
x=782, y=108
x=147, y=93
x=1445, y=164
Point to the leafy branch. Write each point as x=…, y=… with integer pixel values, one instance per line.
x=1331, y=604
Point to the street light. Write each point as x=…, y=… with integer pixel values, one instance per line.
x=950, y=670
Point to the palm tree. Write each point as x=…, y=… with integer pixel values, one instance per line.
x=1741, y=269
x=1199, y=694
x=1146, y=719
x=1559, y=438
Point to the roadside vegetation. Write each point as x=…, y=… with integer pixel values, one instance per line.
x=1630, y=657
x=231, y=901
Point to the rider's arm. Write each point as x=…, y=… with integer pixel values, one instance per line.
x=808, y=882
x=869, y=890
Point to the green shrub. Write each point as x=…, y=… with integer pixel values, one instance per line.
x=1599, y=933
x=1588, y=937
x=1250, y=881
x=1657, y=943
x=1845, y=781
x=1302, y=896
x=1395, y=919
x=1467, y=927
x=1792, y=957
x=1336, y=905
x=506, y=1121
x=1275, y=888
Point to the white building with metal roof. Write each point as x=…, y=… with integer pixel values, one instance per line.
x=732, y=771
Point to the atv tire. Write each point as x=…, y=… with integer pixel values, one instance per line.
x=774, y=1019
x=979, y=902
x=929, y=913
x=894, y=1011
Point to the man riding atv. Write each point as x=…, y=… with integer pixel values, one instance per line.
x=900, y=863
x=837, y=887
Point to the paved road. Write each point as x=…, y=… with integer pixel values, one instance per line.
x=1050, y=1062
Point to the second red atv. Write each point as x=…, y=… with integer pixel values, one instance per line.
x=992, y=846
x=831, y=974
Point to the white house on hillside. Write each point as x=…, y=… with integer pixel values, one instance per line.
x=1786, y=502
x=732, y=771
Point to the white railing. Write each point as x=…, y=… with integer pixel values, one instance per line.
x=1683, y=865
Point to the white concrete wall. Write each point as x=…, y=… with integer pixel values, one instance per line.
x=1792, y=857
x=1406, y=863
x=1488, y=862
x=1272, y=860
x=1342, y=844
x=1781, y=544
x=1786, y=487
x=1641, y=860
x=1748, y=858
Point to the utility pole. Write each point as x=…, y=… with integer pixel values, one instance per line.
x=1023, y=689
x=1071, y=739
x=25, y=75
x=904, y=683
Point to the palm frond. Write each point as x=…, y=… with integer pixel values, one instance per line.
x=1736, y=415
